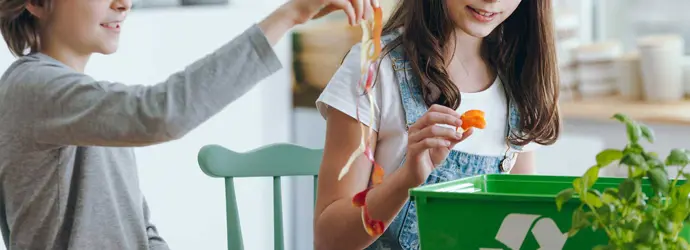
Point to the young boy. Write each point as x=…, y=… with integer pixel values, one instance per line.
x=67, y=177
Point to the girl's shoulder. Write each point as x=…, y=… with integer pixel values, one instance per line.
x=344, y=93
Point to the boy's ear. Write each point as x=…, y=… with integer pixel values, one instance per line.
x=36, y=10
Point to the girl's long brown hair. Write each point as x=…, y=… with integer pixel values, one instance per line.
x=521, y=50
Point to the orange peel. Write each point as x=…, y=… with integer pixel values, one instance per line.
x=472, y=119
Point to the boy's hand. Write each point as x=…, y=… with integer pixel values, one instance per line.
x=356, y=10
x=297, y=12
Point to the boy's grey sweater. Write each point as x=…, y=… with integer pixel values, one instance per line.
x=68, y=177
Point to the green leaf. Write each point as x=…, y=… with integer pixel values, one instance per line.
x=592, y=200
x=627, y=189
x=643, y=247
x=634, y=132
x=655, y=163
x=684, y=191
x=639, y=171
x=604, y=247
x=609, y=196
x=677, y=157
x=633, y=148
x=590, y=177
x=647, y=133
x=659, y=180
x=606, y=157
x=649, y=155
x=605, y=213
x=621, y=117
x=665, y=225
x=679, y=212
x=579, y=221
x=682, y=244
x=579, y=185
x=630, y=225
x=633, y=160
x=645, y=232
x=633, y=246
x=655, y=201
x=563, y=197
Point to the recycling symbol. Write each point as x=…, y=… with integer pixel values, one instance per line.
x=515, y=228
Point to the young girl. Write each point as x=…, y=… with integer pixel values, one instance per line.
x=67, y=181
x=441, y=58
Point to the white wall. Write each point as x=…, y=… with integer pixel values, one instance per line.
x=187, y=206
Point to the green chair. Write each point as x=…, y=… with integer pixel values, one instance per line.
x=275, y=160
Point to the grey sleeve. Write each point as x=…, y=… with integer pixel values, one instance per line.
x=69, y=108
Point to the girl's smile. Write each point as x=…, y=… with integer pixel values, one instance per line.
x=481, y=15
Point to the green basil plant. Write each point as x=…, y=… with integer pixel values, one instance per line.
x=630, y=218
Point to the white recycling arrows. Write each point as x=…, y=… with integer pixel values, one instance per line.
x=548, y=235
x=515, y=227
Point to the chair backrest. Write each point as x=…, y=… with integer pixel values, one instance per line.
x=275, y=160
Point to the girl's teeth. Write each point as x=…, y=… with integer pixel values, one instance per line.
x=486, y=14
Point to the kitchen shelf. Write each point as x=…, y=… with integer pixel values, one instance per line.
x=675, y=113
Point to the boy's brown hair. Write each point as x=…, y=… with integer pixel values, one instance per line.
x=19, y=27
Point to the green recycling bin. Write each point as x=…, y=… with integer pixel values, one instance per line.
x=503, y=212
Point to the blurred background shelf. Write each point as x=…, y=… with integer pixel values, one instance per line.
x=673, y=113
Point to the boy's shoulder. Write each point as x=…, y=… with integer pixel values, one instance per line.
x=34, y=71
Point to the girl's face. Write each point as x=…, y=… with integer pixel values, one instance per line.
x=479, y=18
x=85, y=26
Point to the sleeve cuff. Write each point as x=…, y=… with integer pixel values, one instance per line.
x=264, y=49
x=255, y=39
x=328, y=100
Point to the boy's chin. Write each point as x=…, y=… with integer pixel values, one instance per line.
x=108, y=49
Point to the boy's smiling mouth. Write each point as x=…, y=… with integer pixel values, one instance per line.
x=111, y=25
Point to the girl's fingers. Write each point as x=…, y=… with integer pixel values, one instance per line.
x=464, y=136
x=432, y=118
x=435, y=131
x=429, y=143
x=438, y=114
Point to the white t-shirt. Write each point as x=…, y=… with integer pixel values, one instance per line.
x=342, y=93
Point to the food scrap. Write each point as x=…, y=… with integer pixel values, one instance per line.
x=371, y=49
x=472, y=118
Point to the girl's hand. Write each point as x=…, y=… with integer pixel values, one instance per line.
x=428, y=144
x=356, y=10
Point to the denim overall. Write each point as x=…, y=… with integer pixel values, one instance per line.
x=402, y=234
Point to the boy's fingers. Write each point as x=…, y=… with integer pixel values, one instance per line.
x=325, y=11
x=359, y=8
x=368, y=12
x=344, y=5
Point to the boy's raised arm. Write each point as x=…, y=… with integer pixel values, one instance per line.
x=83, y=111
x=75, y=109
